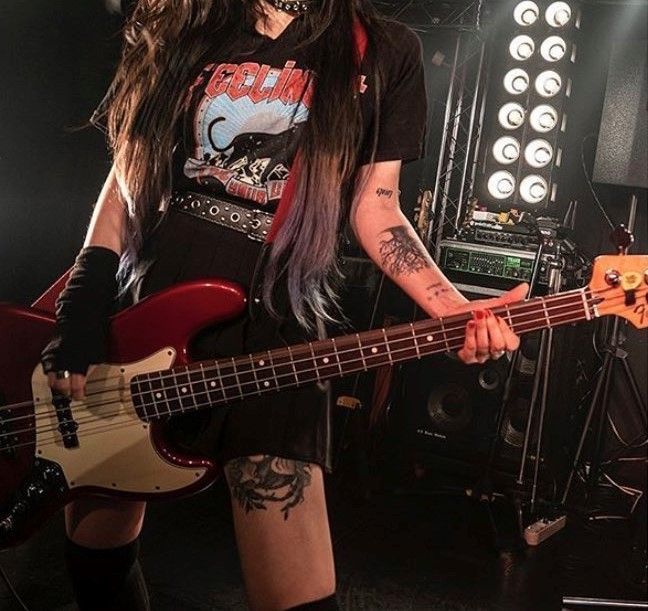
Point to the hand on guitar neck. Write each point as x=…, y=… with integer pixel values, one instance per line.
x=488, y=336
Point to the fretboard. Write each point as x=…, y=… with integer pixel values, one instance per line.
x=223, y=381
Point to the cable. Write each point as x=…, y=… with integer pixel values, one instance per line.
x=11, y=589
x=589, y=182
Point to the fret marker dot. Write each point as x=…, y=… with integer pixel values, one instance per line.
x=266, y=384
x=261, y=363
x=325, y=360
x=429, y=338
x=213, y=384
x=183, y=389
x=374, y=350
x=158, y=395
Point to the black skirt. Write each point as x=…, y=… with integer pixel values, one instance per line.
x=292, y=424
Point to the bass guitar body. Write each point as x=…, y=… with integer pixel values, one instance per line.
x=53, y=451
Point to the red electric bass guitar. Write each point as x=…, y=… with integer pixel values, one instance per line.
x=112, y=443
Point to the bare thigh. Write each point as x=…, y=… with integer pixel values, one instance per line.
x=282, y=531
x=101, y=522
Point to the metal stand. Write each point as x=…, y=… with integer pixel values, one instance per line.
x=614, y=354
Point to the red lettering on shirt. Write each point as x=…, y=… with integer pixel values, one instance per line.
x=238, y=87
x=258, y=92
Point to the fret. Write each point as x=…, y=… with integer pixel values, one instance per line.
x=197, y=383
x=337, y=356
x=256, y=379
x=389, y=354
x=183, y=391
x=157, y=394
x=317, y=371
x=416, y=344
x=292, y=364
x=209, y=385
x=238, y=381
x=546, y=313
x=364, y=362
x=588, y=313
x=219, y=377
x=445, y=335
x=508, y=315
x=144, y=396
x=274, y=372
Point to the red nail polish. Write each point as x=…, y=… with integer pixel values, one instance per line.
x=471, y=323
x=479, y=314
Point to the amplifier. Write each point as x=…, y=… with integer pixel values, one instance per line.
x=490, y=270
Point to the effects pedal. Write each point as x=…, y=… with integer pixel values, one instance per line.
x=540, y=531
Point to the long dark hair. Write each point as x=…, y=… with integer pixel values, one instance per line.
x=165, y=41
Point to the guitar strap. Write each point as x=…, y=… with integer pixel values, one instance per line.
x=47, y=301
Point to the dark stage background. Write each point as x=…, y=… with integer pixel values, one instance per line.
x=56, y=61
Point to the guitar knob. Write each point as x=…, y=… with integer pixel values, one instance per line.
x=613, y=277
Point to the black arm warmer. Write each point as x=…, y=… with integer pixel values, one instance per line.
x=82, y=312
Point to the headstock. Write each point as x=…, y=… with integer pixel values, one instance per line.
x=621, y=284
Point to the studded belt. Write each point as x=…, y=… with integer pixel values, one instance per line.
x=253, y=223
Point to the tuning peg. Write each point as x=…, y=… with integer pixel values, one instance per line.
x=613, y=277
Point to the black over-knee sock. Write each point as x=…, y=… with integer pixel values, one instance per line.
x=107, y=579
x=325, y=604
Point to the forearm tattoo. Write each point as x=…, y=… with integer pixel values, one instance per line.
x=436, y=290
x=255, y=482
x=401, y=253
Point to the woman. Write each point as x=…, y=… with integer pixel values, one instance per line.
x=303, y=108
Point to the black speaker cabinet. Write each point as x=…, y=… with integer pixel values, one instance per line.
x=449, y=408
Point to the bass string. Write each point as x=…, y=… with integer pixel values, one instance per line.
x=232, y=371
x=55, y=438
x=83, y=407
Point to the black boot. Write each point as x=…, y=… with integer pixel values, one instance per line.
x=107, y=579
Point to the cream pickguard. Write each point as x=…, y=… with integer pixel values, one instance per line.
x=115, y=449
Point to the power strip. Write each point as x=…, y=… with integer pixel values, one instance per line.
x=540, y=531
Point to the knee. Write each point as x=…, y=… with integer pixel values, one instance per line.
x=96, y=522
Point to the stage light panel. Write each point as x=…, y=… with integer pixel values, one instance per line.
x=522, y=47
x=553, y=49
x=501, y=184
x=526, y=13
x=543, y=118
x=511, y=115
x=538, y=153
x=506, y=150
x=548, y=83
x=516, y=81
x=558, y=14
x=533, y=189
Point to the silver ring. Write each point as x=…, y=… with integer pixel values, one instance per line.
x=62, y=374
x=498, y=354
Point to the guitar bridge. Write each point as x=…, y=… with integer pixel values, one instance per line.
x=67, y=425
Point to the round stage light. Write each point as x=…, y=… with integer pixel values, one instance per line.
x=506, y=150
x=553, y=49
x=526, y=13
x=538, y=153
x=522, y=47
x=533, y=189
x=511, y=115
x=516, y=81
x=544, y=118
x=548, y=83
x=501, y=184
x=558, y=14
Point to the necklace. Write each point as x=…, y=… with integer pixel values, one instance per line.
x=295, y=7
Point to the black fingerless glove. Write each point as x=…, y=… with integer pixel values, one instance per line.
x=82, y=313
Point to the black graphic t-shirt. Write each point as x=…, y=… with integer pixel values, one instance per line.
x=245, y=114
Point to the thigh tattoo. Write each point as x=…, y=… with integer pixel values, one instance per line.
x=255, y=482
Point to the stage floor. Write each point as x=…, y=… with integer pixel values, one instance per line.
x=400, y=552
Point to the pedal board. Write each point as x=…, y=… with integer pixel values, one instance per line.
x=540, y=531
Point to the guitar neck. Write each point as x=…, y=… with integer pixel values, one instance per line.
x=209, y=383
